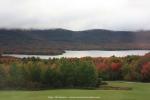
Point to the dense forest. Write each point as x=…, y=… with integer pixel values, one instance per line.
x=34, y=73
x=55, y=41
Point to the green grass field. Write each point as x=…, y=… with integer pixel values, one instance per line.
x=140, y=91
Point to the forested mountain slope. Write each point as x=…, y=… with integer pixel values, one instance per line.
x=54, y=41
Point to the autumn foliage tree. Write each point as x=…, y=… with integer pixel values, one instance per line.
x=145, y=71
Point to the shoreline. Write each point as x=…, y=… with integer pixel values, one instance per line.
x=60, y=52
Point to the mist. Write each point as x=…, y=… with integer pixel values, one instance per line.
x=75, y=14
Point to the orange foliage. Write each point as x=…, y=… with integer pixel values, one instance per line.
x=101, y=66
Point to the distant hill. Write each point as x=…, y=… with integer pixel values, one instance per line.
x=54, y=41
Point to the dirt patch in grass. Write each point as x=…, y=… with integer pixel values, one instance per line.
x=106, y=87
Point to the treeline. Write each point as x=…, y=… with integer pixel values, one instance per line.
x=130, y=68
x=87, y=72
x=34, y=73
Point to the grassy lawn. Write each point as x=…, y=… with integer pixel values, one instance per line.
x=140, y=91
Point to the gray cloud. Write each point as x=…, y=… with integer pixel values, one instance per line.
x=75, y=14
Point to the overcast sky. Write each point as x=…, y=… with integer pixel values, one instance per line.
x=76, y=14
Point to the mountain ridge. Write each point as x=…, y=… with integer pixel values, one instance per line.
x=55, y=41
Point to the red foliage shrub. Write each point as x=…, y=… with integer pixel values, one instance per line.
x=115, y=66
x=145, y=71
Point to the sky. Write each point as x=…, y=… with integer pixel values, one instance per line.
x=75, y=14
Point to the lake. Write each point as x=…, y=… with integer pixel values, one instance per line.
x=89, y=53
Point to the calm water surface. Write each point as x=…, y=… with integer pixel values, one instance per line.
x=90, y=53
